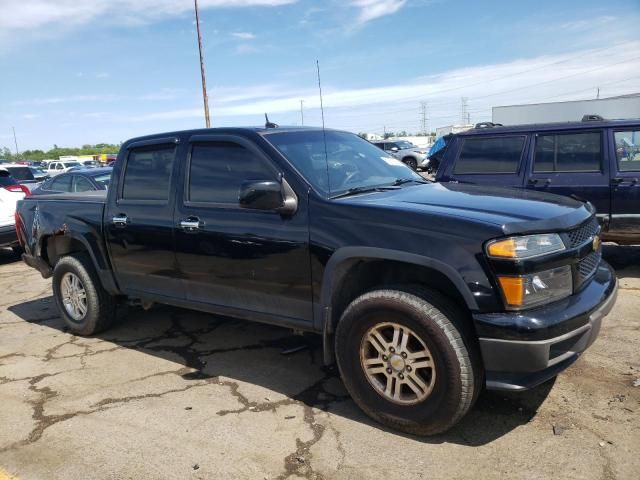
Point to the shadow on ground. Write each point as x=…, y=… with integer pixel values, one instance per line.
x=210, y=346
x=625, y=259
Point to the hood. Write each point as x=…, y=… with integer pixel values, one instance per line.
x=514, y=210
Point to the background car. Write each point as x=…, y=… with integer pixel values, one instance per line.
x=57, y=167
x=410, y=154
x=28, y=176
x=10, y=193
x=76, y=181
x=90, y=163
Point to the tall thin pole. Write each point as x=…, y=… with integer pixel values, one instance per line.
x=15, y=140
x=205, y=98
x=302, y=112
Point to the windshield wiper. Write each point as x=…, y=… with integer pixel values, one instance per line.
x=357, y=190
x=401, y=181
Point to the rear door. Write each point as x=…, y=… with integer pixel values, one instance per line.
x=139, y=219
x=488, y=160
x=572, y=163
x=625, y=182
x=244, y=259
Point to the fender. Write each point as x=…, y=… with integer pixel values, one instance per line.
x=351, y=253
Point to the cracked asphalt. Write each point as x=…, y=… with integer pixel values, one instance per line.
x=171, y=393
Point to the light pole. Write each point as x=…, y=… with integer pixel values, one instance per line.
x=205, y=98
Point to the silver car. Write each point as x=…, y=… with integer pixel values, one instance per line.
x=412, y=155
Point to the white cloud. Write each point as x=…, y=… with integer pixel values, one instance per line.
x=243, y=35
x=33, y=14
x=372, y=9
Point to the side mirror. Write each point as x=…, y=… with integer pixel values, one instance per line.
x=395, y=149
x=268, y=195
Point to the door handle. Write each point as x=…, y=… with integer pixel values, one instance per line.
x=120, y=220
x=533, y=181
x=617, y=180
x=191, y=224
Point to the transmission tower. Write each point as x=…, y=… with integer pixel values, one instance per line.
x=464, y=111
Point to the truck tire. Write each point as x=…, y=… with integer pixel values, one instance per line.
x=84, y=304
x=405, y=360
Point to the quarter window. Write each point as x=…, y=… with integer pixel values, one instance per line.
x=148, y=173
x=628, y=150
x=571, y=152
x=83, y=185
x=490, y=155
x=218, y=169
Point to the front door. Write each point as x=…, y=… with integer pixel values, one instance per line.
x=572, y=164
x=243, y=259
x=625, y=184
x=139, y=221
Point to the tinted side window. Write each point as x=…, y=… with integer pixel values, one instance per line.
x=218, y=169
x=628, y=150
x=83, y=185
x=61, y=184
x=490, y=155
x=148, y=173
x=571, y=152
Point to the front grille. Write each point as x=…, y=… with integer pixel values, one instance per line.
x=583, y=233
x=588, y=265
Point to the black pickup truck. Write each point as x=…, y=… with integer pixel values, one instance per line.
x=424, y=293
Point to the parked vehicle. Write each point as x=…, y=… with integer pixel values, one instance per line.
x=56, y=167
x=594, y=160
x=413, y=156
x=76, y=181
x=90, y=163
x=10, y=192
x=28, y=176
x=424, y=293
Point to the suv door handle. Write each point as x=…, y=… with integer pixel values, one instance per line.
x=191, y=224
x=617, y=180
x=533, y=181
x=120, y=220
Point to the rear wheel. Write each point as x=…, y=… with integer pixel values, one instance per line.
x=411, y=163
x=405, y=362
x=84, y=304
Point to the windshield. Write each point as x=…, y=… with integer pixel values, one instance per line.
x=103, y=180
x=21, y=173
x=349, y=162
x=402, y=145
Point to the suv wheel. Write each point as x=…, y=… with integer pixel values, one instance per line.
x=84, y=304
x=411, y=163
x=405, y=362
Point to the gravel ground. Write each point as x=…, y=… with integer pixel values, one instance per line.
x=183, y=395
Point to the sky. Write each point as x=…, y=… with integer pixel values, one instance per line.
x=75, y=72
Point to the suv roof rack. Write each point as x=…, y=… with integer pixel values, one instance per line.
x=487, y=125
x=592, y=118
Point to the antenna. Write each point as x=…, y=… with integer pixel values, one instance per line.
x=267, y=123
x=324, y=133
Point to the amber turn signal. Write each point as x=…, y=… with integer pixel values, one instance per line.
x=504, y=248
x=513, y=290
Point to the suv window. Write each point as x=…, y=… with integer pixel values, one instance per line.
x=147, y=174
x=6, y=179
x=490, y=155
x=61, y=184
x=628, y=150
x=21, y=173
x=218, y=169
x=568, y=152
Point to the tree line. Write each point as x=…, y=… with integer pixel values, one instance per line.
x=56, y=151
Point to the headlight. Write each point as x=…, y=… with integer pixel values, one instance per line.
x=526, y=291
x=526, y=247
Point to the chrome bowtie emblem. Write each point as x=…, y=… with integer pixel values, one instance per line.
x=596, y=243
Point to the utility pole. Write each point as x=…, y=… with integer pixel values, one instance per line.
x=423, y=115
x=205, y=98
x=598, y=94
x=302, y=112
x=15, y=140
x=464, y=114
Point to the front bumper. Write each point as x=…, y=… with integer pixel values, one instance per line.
x=8, y=236
x=523, y=349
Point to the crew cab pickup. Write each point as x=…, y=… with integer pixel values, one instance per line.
x=594, y=160
x=424, y=293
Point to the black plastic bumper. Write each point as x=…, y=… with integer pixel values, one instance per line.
x=523, y=349
x=8, y=236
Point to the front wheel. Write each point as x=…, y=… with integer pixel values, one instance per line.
x=411, y=162
x=86, y=307
x=405, y=362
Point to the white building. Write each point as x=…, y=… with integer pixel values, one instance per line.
x=625, y=106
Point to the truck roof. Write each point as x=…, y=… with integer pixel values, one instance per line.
x=489, y=128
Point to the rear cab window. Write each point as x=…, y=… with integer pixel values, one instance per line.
x=147, y=174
